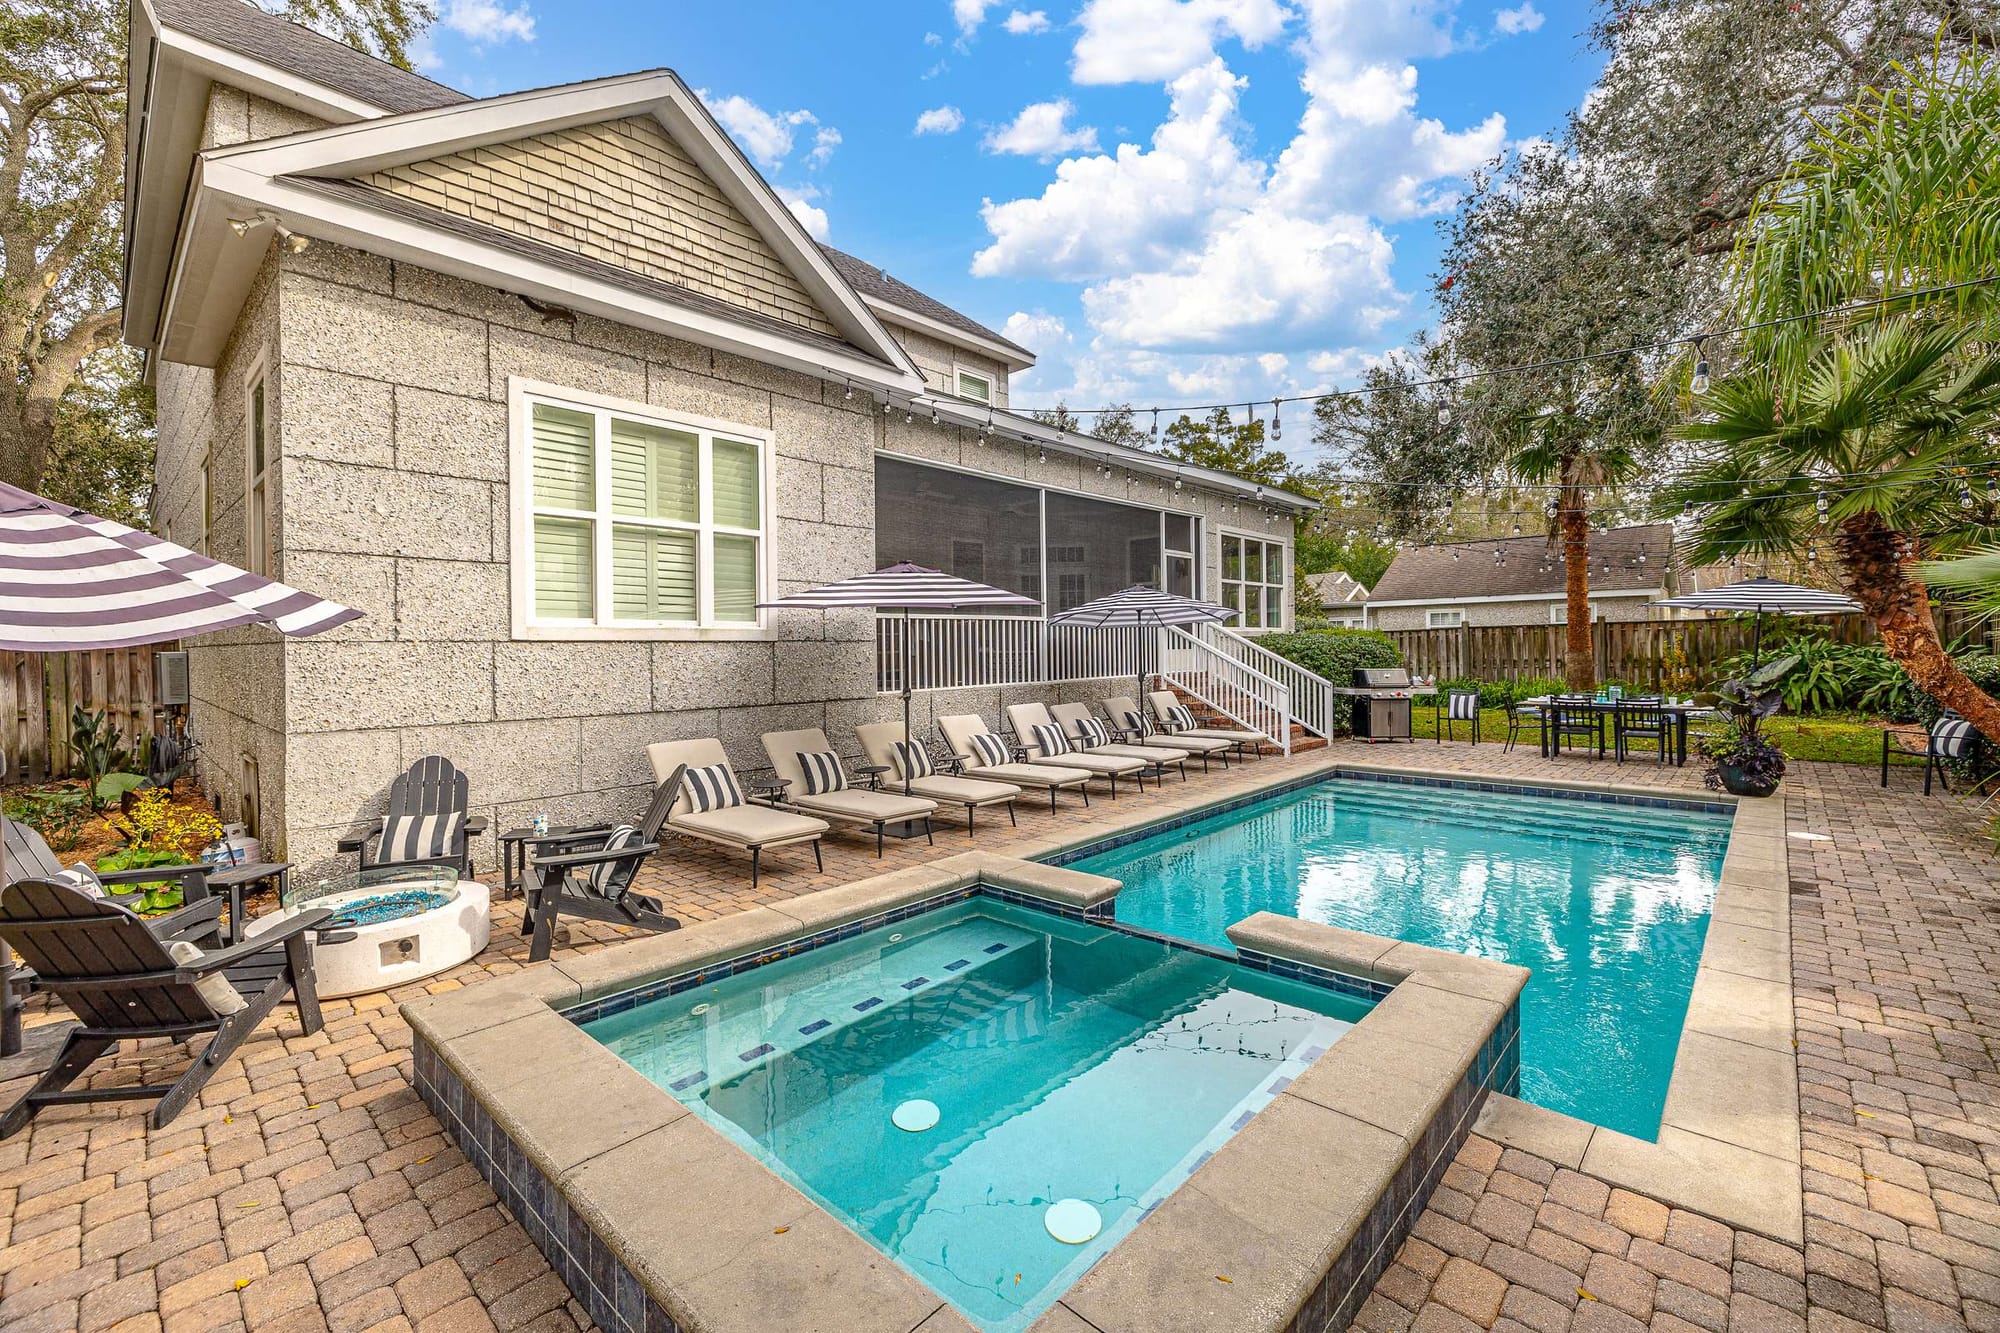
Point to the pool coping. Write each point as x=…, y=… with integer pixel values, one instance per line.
x=1729, y=1144
x=659, y=1222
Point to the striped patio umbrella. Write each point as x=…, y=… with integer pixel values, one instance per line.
x=1142, y=604
x=71, y=581
x=1758, y=596
x=903, y=587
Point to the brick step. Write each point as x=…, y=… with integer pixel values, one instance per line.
x=1209, y=717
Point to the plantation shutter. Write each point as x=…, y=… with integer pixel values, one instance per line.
x=562, y=568
x=735, y=578
x=565, y=458
x=654, y=472
x=652, y=573
x=734, y=481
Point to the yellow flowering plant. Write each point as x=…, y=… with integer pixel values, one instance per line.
x=159, y=831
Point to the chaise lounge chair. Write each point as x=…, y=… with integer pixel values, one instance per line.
x=710, y=805
x=1177, y=721
x=428, y=821
x=879, y=741
x=1047, y=741
x=816, y=782
x=989, y=758
x=1092, y=736
x=126, y=983
x=587, y=873
x=1126, y=714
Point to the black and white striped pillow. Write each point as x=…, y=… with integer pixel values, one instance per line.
x=1135, y=722
x=1951, y=737
x=1462, y=707
x=989, y=749
x=1093, y=732
x=1052, y=739
x=711, y=788
x=911, y=760
x=1181, y=716
x=822, y=772
x=419, y=837
x=609, y=879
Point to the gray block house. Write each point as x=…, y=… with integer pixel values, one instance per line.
x=555, y=389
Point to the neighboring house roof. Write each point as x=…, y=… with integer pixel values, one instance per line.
x=1337, y=588
x=1622, y=560
x=248, y=30
x=874, y=283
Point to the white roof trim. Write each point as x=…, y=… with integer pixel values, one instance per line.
x=1011, y=357
x=1595, y=596
x=358, y=149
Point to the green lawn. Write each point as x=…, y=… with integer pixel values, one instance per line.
x=1840, y=739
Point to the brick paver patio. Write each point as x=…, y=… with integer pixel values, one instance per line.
x=310, y=1189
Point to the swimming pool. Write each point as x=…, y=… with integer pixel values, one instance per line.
x=1607, y=903
x=1062, y=1061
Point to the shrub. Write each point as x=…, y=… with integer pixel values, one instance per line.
x=1492, y=693
x=1335, y=653
x=1834, y=677
x=58, y=815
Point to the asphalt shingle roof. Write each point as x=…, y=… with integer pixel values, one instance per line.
x=1429, y=573
x=870, y=280
x=296, y=49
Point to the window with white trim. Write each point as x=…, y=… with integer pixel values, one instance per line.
x=640, y=521
x=974, y=387
x=1451, y=619
x=256, y=473
x=1253, y=580
x=207, y=497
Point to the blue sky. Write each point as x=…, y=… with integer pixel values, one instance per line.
x=1171, y=201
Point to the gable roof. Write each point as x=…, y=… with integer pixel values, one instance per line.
x=1337, y=588
x=878, y=288
x=247, y=30
x=1622, y=560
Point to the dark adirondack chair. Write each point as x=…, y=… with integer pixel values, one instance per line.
x=124, y=982
x=587, y=873
x=427, y=822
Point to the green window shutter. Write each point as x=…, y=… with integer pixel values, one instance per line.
x=562, y=568
x=735, y=579
x=652, y=573
x=738, y=494
x=564, y=458
x=654, y=472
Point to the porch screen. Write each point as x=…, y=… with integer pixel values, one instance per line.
x=974, y=527
x=1097, y=548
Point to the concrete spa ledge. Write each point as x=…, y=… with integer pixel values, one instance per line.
x=659, y=1223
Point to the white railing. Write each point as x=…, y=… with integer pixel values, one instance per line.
x=1232, y=687
x=1314, y=704
x=961, y=652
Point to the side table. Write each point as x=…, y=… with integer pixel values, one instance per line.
x=233, y=880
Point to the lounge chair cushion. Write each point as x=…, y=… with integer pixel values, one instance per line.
x=866, y=806
x=711, y=788
x=750, y=825
x=911, y=760
x=989, y=749
x=420, y=837
x=1035, y=775
x=963, y=791
x=214, y=988
x=1051, y=739
x=822, y=771
x=1092, y=733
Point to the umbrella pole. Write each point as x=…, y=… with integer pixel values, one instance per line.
x=1756, y=637
x=906, y=698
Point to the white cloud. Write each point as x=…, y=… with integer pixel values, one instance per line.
x=769, y=136
x=1042, y=130
x=1154, y=41
x=940, y=120
x=825, y=139
x=810, y=215
x=1524, y=17
x=969, y=14
x=1023, y=24
x=488, y=20
x=933, y=39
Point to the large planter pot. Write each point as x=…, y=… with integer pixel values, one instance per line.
x=1736, y=783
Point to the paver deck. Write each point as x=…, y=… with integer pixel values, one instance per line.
x=309, y=1188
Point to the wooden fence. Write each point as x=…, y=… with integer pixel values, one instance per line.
x=38, y=692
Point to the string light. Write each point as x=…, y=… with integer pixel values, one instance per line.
x=1700, y=381
x=1277, y=425
x=848, y=397
x=1156, y=425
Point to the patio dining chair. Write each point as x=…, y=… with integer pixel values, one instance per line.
x=1456, y=706
x=1950, y=738
x=127, y=980
x=1644, y=721
x=1520, y=721
x=1569, y=720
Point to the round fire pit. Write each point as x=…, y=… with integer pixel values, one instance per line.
x=390, y=925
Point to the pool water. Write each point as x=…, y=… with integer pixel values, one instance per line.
x=1065, y=1060
x=1607, y=903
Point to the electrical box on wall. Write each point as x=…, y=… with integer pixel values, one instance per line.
x=170, y=679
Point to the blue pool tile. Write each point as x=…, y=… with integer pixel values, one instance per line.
x=1279, y=1084
x=914, y=982
x=995, y=948
x=817, y=1025
x=957, y=963
x=683, y=1084
x=755, y=1051
x=868, y=1004
x=1241, y=1121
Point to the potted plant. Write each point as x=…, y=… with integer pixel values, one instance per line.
x=1740, y=760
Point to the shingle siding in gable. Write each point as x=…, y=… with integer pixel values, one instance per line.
x=623, y=193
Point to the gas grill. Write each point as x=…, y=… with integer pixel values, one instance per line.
x=1382, y=702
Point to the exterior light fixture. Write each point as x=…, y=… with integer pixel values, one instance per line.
x=848, y=397
x=934, y=414
x=263, y=217
x=1041, y=455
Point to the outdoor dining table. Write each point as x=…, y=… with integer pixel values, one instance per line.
x=1606, y=708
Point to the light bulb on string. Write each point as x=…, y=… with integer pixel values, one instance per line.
x=1277, y=425
x=1993, y=489
x=1965, y=495
x=848, y=397
x=1819, y=504
x=1699, y=384
x=1156, y=425
x=934, y=414
x=1041, y=455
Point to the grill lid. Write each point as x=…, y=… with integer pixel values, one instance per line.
x=1382, y=678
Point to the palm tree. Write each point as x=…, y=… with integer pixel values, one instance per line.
x=1878, y=446
x=1568, y=451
